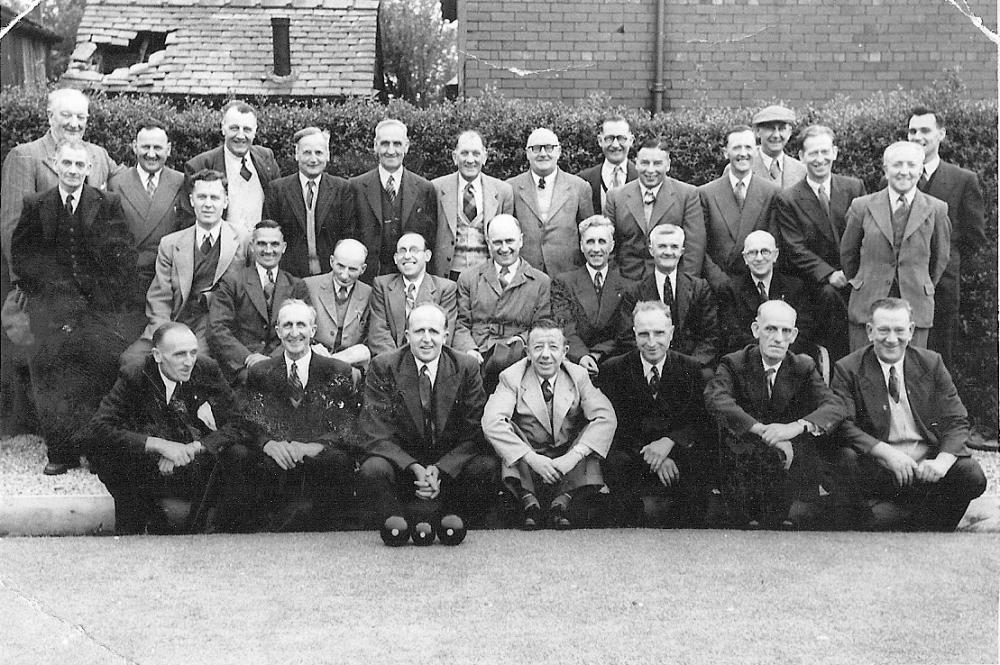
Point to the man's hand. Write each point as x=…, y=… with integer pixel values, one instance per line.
x=838, y=279
x=425, y=487
x=178, y=453
x=476, y=354
x=589, y=364
x=656, y=453
x=775, y=432
x=667, y=472
x=166, y=466
x=304, y=450
x=282, y=454
x=253, y=359
x=933, y=470
x=898, y=463
x=565, y=463
x=320, y=350
x=786, y=447
x=544, y=467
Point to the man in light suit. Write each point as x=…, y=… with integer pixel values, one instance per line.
x=773, y=126
x=248, y=168
x=394, y=296
x=341, y=301
x=391, y=200
x=654, y=199
x=734, y=205
x=811, y=217
x=315, y=209
x=615, y=139
x=467, y=200
x=549, y=203
x=550, y=427
x=896, y=244
x=242, y=317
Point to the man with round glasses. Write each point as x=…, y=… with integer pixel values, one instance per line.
x=615, y=140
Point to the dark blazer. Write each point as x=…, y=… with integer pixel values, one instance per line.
x=419, y=214
x=593, y=177
x=739, y=300
x=392, y=421
x=937, y=409
x=238, y=320
x=387, y=309
x=590, y=324
x=215, y=159
x=810, y=241
x=285, y=204
x=677, y=412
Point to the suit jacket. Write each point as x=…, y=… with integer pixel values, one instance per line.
x=793, y=172
x=387, y=320
x=590, y=323
x=960, y=189
x=488, y=313
x=727, y=226
x=739, y=300
x=736, y=397
x=392, y=421
x=677, y=203
x=938, y=411
x=419, y=214
x=593, y=177
x=696, y=330
x=215, y=159
x=810, y=241
x=516, y=419
x=334, y=209
x=355, y=324
x=871, y=263
x=238, y=321
x=171, y=286
x=551, y=241
x=498, y=198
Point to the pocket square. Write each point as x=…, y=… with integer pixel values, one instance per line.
x=206, y=416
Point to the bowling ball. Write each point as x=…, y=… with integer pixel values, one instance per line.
x=395, y=531
x=423, y=534
x=452, y=531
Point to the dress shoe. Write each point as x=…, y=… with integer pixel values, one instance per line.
x=558, y=518
x=59, y=468
x=532, y=519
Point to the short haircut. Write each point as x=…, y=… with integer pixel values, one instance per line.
x=760, y=233
x=295, y=302
x=391, y=121
x=413, y=233
x=486, y=229
x=149, y=123
x=309, y=131
x=267, y=224
x=469, y=132
x=816, y=130
x=351, y=240
x=900, y=146
x=644, y=306
x=210, y=175
x=923, y=110
x=769, y=304
x=656, y=143
x=737, y=129
x=891, y=304
x=74, y=144
x=58, y=96
x=596, y=221
x=162, y=331
x=240, y=106
x=431, y=304
x=664, y=229
x=546, y=323
x=614, y=117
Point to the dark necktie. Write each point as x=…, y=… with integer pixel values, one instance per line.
x=179, y=407
x=269, y=288
x=547, y=391
x=922, y=183
x=762, y=291
x=427, y=401
x=206, y=244
x=769, y=376
x=390, y=188
x=341, y=293
x=616, y=177
x=668, y=297
x=150, y=187
x=245, y=170
x=598, y=284
x=893, y=384
x=505, y=276
x=824, y=200
x=899, y=217
x=469, y=203
x=648, y=198
x=741, y=194
x=541, y=183
x=296, y=391
x=654, y=381
x=411, y=298
x=310, y=194
x=69, y=205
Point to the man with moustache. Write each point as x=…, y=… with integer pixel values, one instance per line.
x=342, y=307
x=615, y=139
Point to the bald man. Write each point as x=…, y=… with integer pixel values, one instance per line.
x=341, y=303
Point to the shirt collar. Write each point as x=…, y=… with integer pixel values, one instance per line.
x=477, y=182
x=932, y=165
x=655, y=190
x=661, y=277
x=169, y=385
x=304, y=180
x=513, y=268
x=908, y=196
x=885, y=367
x=230, y=157
x=646, y=366
x=816, y=185
x=397, y=176
x=745, y=180
x=766, y=280
x=76, y=195
x=416, y=283
x=145, y=176
x=608, y=171
x=213, y=233
x=262, y=272
x=549, y=179
x=767, y=159
x=603, y=271
x=766, y=366
x=301, y=366
x=432, y=367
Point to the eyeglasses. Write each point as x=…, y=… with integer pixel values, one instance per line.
x=764, y=253
x=548, y=148
x=414, y=251
x=610, y=138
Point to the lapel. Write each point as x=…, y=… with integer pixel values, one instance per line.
x=840, y=201
x=920, y=211
x=751, y=210
x=132, y=190
x=445, y=388
x=158, y=390
x=489, y=275
x=324, y=199
x=90, y=201
x=756, y=383
x=560, y=192
x=227, y=250
x=748, y=291
x=562, y=400
x=810, y=206
x=531, y=395
x=409, y=386
x=873, y=383
x=298, y=204
x=49, y=148
x=263, y=168
x=683, y=291
x=725, y=198
x=633, y=203
x=163, y=198
x=882, y=213
x=373, y=193
x=255, y=292
x=665, y=200
x=327, y=296
x=919, y=384
x=184, y=258
x=449, y=200
x=282, y=291
x=355, y=305
x=635, y=376
x=784, y=387
x=396, y=305
x=408, y=190
x=611, y=294
x=491, y=199
x=525, y=186
x=585, y=293
x=49, y=211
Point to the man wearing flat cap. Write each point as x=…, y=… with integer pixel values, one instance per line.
x=773, y=127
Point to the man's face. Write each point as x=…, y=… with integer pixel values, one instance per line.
x=68, y=118
x=903, y=167
x=505, y=242
x=268, y=247
x=177, y=354
x=739, y=152
x=295, y=327
x=151, y=148
x=239, y=130
x=773, y=136
x=72, y=166
x=209, y=200
x=469, y=156
x=652, y=164
x=924, y=131
x=391, y=145
x=426, y=333
x=348, y=264
x=546, y=350
x=653, y=333
x=312, y=153
x=666, y=250
x=411, y=256
x=819, y=154
x=760, y=253
x=615, y=141
x=890, y=331
x=542, y=151
x=775, y=331
x=597, y=243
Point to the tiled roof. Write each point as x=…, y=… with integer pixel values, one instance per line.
x=224, y=47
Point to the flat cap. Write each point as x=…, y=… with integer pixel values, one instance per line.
x=774, y=113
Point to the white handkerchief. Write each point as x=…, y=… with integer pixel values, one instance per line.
x=206, y=416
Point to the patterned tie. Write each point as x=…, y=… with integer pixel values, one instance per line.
x=269, y=288
x=824, y=200
x=654, y=381
x=741, y=194
x=245, y=170
x=310, y=194
x=341, y=293
x=899, y=217
x=505, y=276
x=296, y=391
x=469, y=203
x=922, y=183
x=769, y=376
x=390, y=188
x=547, y=391
x=893, y=384
x=69, y=205
x=150, y=186
x=668, y=297
x=775, y=170
x=427, y=401
x=411, y=297
x=206, y=244
x=648, y=201
x=616, y=177
x=598, y=283
x=762, y=291
x=541, y=183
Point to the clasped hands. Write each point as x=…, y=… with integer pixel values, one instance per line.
x=427, y=481
x=657, y=456
x=289, y=454
x=172, y=454
x=779, y=435
x=905, y=470
x=552, y=469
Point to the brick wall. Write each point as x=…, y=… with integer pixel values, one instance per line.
x=721, y=52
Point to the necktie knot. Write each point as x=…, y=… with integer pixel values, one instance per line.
x=390, y=187
x=505, y=276
x=150, y=186
x=762, y=290
x=775, y=171
x=69, y=204
x=469, y=207
x=654, y=381
x=894, y=384
x=598, y=282
x=310, y=193
x=245, y=172
x=547, y=391
x=616, y=177
x=648, y=197
x=541, y=182
x=769, y=374
x=341, y=293
x=206, y=244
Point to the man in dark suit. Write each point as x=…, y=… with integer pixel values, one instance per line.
x=662, y=447
x=811, y=218
x=654, y=199
x=391, y=200
x=733, y=206
x=248, y=168
x=315, y=209
x=615, y=139
x=587, y=301
x=896, y=244
x=960, y=189
x=425, y=454
x=770, y=404
x=242, y=316
x=907, y=427
x=394, y=296
x=76, y=261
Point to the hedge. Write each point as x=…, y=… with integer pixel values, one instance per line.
x=695, y=136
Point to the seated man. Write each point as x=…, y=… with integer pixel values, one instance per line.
x=425, y=455
x=766, y=400
x=661, y=447
x=394, y=296
x=907, y=426
x=160, y=430
x=244, y=307
x=341, y=303
x=551, y=427
x=304, y=409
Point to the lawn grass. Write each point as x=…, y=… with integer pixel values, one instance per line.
x=614, y=596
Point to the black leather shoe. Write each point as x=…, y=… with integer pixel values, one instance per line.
x=532, y=519
x=59, y=468
x=558, y=519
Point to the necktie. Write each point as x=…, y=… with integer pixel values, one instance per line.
x=668, y=297
x=469, y=203
x=69, y=205
x=899, y=217
x=179, y=408
x=547, y=391
x=310, y=194
x=427, y=401
x=245, y=170
x=341, y=293
x=616, y=177
x=775, y=170
x=741, y=194
x=390, y=188
x=654, y=381
x=269, y=288
x=762, y=291
x=648, y=200
x=894, y=384
x=541, y=183
x=206, y=244
x=150, y=186
x=598, y=283
x=505, y=276
x=922, y=183
x=411, y=297
x=314, y=266
x=824, y=200
x=769, y=375
x=295, y=388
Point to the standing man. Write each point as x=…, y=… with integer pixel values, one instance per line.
x=896, y=244
x=773, y=126
x=615, y=139
x=391, y=200
x=467, y=201
x=248, y=168
x=549, y=203
x=341, y=303
x=314, y=209
x=654, y=199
